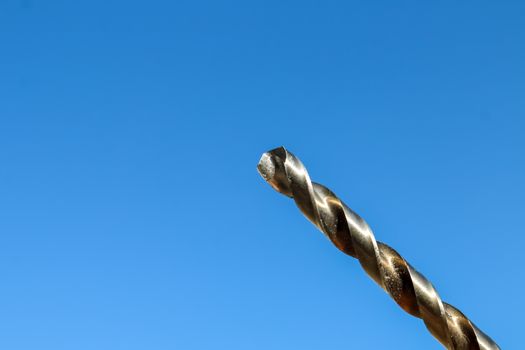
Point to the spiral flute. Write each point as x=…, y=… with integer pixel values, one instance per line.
x=352, y=235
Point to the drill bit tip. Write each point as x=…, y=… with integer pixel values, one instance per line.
x=266, y=166
x=271, y=168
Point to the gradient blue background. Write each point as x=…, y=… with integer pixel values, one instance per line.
x=131, y=212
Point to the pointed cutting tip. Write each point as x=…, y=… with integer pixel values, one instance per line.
x=271, y=168
x=266, y=166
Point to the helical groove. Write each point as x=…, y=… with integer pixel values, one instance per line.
x=351, y=234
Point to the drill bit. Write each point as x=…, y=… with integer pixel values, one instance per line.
x=352, y=235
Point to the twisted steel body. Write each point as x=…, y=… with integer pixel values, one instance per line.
x=352, y=235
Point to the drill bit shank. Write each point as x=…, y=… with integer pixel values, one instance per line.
x=352, y=235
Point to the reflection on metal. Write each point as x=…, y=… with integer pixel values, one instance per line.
x=351, y=234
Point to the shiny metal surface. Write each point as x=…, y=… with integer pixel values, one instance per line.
x=352, y=235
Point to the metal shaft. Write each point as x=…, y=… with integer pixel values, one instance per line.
x=352, y=235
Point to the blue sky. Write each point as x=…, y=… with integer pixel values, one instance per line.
x=131, y=212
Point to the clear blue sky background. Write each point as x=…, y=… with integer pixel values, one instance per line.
x=131, y=212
